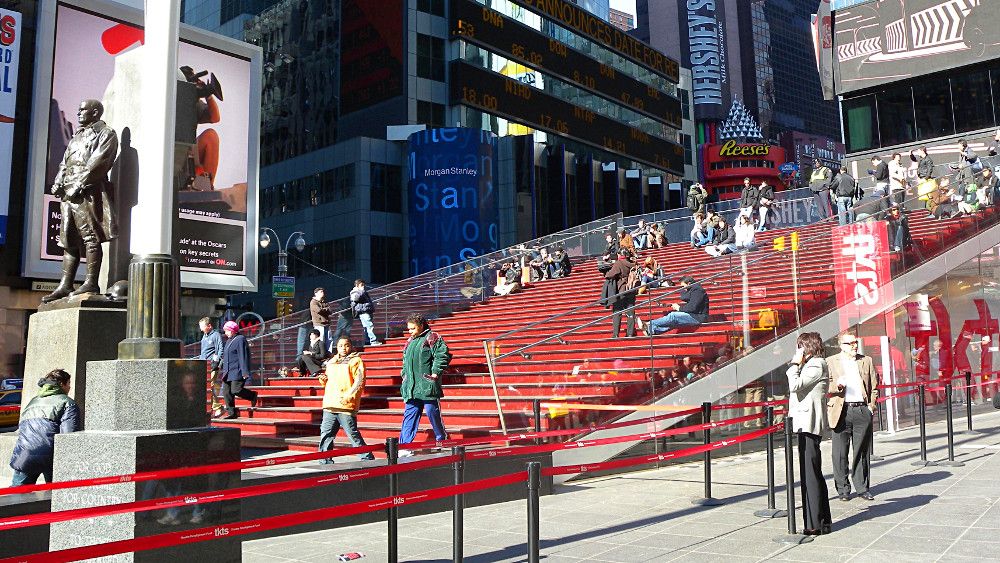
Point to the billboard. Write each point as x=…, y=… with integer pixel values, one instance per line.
x=10, y=56
x=453, y=205
x=96, y=53
x=882, y=42
x=703, y=49
x=862, y=270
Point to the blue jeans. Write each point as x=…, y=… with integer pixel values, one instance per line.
x=673, y=319
x=707, y=237
x=640, y=241
x=22, y=478
x=845, y=214
x=411, y=420
x=332, y=421
x=366, y=321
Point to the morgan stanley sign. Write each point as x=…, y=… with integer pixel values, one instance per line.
x=704, y=49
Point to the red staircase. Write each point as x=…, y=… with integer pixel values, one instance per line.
x=606, y=370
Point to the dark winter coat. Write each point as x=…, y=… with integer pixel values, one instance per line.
x=48, y=414
x=426, y=355
x=236, y=359
x=724, y=236
x=925, y=168
x=361, y=301
x=844, y=185
x=750, y=196
x=695, y=302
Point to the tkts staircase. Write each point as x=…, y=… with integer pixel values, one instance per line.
x=553, y=339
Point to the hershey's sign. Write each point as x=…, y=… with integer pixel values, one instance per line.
x=706, y=54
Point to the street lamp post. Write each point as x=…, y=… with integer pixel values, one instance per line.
x=300, y=244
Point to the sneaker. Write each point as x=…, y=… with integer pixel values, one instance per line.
x=168, y=520
x=368, y=457
x=231, y=416
x=404, y=453
x=376, y=343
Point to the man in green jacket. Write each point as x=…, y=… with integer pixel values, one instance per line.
x=424, y=359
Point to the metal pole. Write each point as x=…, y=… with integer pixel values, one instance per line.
x=392, y=451
x=706, y=417
x=795, y=282
x=922, y=418
x=457, y=513
x=792, y=536
x=536, y=407
x=968, y=401
x=950, y=421
x=534, y=482
x=770, y=511
x=746, y=299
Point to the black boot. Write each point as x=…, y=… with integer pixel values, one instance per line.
x=90, y=284
x=70, y=262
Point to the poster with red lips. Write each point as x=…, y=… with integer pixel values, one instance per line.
x=96, y=57
x=10, y=54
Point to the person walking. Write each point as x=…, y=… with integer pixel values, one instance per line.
x=819, y=183
x=235, y=369
x=853, y=396
x=343, y=382
x=363, y=309
x=621, y=297
x=425, y=357
x=845, y=186
x=51, y=412
x=319, y=312
x=808, y=379
x=211, y=352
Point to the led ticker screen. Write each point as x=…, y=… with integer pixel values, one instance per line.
x=492, y=30
x=494, y=93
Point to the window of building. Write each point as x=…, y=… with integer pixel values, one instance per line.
x=386, y=259
x=895, y=116
x=430, y=113
x=430, y=57
x=387, y=191
x=972, y=101
x=435, y=7
x=932, y=102
x=686, y=141
x=685, y=104
x=343, y=255
x=860, y=123
x=336, y=184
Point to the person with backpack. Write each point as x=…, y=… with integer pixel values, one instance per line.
x=844, y=188
x=696, y=198
x=51, y=412
x=363, y=309
x=624, y=279
x=425, y=357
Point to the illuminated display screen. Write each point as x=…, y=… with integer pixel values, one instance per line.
x=494, y=93
x=492, y=30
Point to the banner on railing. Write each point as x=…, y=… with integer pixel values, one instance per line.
x=861, y=270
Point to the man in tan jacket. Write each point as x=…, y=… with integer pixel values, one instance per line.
x=343, y=383
x=853, y=392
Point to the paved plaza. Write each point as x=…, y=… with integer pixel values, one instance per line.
x=919, y=514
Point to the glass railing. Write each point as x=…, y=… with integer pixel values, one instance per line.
x=837, y=278
x=433, y=294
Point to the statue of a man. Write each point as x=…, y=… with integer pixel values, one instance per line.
x=87, y=207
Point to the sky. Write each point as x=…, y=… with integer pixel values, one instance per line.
x=624, y=5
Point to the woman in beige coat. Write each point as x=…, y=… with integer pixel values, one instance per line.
x=808, y=380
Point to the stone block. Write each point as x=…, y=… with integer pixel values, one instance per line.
x=129, y=395
x=95, y=454
x=68, y=338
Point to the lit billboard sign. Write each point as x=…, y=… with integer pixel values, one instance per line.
x=453, y=206
x=882, y=42
x=10, y=57
x=703, y=49
x=96, y=52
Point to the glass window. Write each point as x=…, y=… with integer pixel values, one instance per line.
x=435, y=7
x=386, y=259
x=995, y=87
x=932, y=101
x=386, y=192
x=972, y=102
x=860, y=123
x=430, y=113
x=343, y=254
x=688, y=149
x=685, y=103
x=895, y=116
x=430, y=57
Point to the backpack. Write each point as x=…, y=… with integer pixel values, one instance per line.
x=692, y=201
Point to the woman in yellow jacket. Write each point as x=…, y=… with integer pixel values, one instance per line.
x=343, y=383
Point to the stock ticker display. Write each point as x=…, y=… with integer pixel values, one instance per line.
x=514, y=40
x=496, y=94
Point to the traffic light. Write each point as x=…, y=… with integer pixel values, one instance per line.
x=284, y=308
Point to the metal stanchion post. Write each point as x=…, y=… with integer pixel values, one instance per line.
x=706, y=416
x=536, y=405
x=968, y=403
x=793, y=536
x=534, y=482
x=392, y=451
x=457, y=513
x=922, y=418
x=770, y=511
x=950, y=421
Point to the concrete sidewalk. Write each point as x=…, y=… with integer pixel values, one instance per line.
x=919, y=514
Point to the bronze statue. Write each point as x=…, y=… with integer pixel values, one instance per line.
x=87, y=207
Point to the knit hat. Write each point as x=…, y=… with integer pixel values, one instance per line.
x=231, y=326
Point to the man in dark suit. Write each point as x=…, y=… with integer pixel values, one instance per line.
x=311, y=359
x=853, y=395
x=235, y=369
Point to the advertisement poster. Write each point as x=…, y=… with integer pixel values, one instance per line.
x=453, y=205
x=96, y=57
x=10, y=53
x=861, y=269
